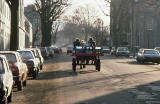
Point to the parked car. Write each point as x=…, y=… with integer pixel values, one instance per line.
x=40, y=57
x=30, y=60
x=56, y=49
x=157, y=48
x=6, y=81
x=18, y=68
x=106, y=49
x=50, y=51
x=44, y=52
x=122, y=51
x=69, y=49
x=148, y=55
x=36, y=56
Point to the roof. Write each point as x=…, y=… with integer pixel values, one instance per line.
x=148, y=49
x=13, y=52
x=2, y=57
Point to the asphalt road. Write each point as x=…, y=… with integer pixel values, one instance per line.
x=121, y=81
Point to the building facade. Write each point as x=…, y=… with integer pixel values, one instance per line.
x=21, y=25
x=135, y=23
x=28, y=34
x=5, y=25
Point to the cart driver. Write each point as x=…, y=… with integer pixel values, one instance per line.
x=76, y=43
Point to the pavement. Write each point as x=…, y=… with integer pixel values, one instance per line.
x=121, y=81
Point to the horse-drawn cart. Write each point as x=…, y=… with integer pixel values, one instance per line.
x=87, y=56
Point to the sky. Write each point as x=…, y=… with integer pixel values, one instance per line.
x=98, y=5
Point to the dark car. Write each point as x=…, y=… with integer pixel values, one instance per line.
x=148, y=55
x=106, y=50
x=44, y=52
x=122, y=51
x=69, y=49
x=56, y=49
x=50, y=51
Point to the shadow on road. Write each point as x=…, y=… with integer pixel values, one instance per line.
x=86, y=71
x=142, y=94
x=136, y=63
x=122, y=76
x=56, y=74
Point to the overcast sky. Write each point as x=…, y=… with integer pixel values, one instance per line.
x=99, y=5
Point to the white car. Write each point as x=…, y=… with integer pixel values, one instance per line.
x=31, y=61
x=6, y=81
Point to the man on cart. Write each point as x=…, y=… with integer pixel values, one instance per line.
x=76, y=43
x=91, y=42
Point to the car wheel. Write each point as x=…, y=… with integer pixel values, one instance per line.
x=34, y=74
x=41, y=67
x=10, y=98
x=4, y=101
x=19, y=86
x=25, y=83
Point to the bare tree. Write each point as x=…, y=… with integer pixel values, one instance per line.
x=84, y=23
x=50, y=11
x=56, y=26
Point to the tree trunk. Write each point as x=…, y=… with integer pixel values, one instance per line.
x=14, y=41
x=46, y=34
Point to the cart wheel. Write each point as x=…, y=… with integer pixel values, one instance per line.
x=74, y=64
x=74, y=68
x=98, y=65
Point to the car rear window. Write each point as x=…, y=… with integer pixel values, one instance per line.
x=26, y=55
x=10, y=57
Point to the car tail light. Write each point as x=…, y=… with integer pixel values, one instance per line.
x=14, y=67
x=30, y=63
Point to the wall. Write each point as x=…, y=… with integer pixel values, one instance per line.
x=5, y=21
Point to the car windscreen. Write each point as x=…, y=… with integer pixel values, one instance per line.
x=123, y=49
x=26, y=55
x=150, y=52
x=10, y=57
x=1, y=67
